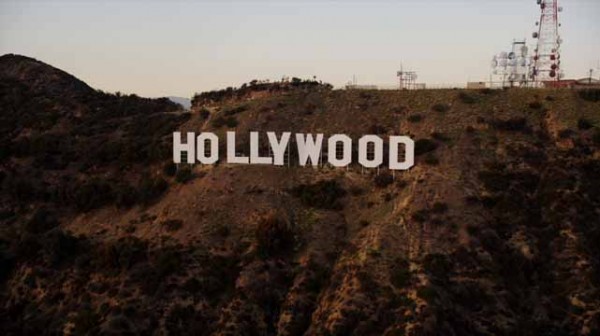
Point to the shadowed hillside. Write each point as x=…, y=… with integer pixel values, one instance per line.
x=494, y=231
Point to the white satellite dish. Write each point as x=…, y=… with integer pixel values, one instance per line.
x=503, y=62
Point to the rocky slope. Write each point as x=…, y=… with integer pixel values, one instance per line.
x=493, y=232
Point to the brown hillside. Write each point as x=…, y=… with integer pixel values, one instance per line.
x=493, y=232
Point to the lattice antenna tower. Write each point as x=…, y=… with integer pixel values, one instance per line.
x=546, y=58
x=407, y=79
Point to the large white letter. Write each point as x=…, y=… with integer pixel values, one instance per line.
x=308, y=147
x=409, y=153
x=347, y=150
x=363, y=144
x=255, y=157
x=278, y=147
x=231, y=156
x=214, y=148
x=189, y=147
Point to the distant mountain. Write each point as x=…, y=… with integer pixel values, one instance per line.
x=185, y=102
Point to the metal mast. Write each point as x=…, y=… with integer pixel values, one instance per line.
x=546, y=59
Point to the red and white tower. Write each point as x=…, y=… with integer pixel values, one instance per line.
x=546, y=58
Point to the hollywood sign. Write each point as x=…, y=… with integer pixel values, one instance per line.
x=204, y=149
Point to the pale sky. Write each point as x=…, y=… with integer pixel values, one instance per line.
x=161, y=48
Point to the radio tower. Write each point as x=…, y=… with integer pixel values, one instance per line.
x=546, y=59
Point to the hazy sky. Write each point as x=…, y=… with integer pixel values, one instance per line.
x=157, y=48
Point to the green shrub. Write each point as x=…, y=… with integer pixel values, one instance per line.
x=431, y=160
x=151, y=188
x=415, y=118
x=383, y=180
x=428, y=294
x=41, y=221
x=566, y=133
x=536, y=105
x=323, y=194
x=377, y=129
x=420, y=216
x=488, y=91
x=439, y=208
x=274, y=234
x=584, y=124
x=92, y=194
x=400, y=273
x=125, y=196
x=440, y=107
x=170, y=169
x=440, y=137
x=513, y=125
x=596, y=137
x=592, y=95
x=467, y=98
x=172, y=225
x=204, y=114
x=423, y=146
x=235, y=110
x=221, y=121
x=184, y=174
x=58, y=247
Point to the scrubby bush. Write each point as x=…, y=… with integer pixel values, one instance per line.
x=41, y=221
x=92, y=194
x=204, y=114
x=584, y=124
x=428, y=294
x=323, y=194
x=377, y=129
x=566, y=133
x=221, y=121
x=437, y=266
x=488, y=91
x=513, y=125
x=423, y=146
x=274, y=234
x=151, y=188
x=415, y=118
x=58, y=247
x=441, y=107
x=596, y=137
x=184, y=174
x=467, y=98
x=383, y=180
x=439, y=208
x=172, y=225
x=592, y=95
x=431, y=159
x=235, y=110
x=170, y=169
x=400, y=273
x=440, y=136
x=536, y=105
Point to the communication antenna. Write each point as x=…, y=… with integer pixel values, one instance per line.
x=546, y=58
x=512, y=67
x=407, y=79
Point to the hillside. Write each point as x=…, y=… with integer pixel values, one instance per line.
x=495, y=230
